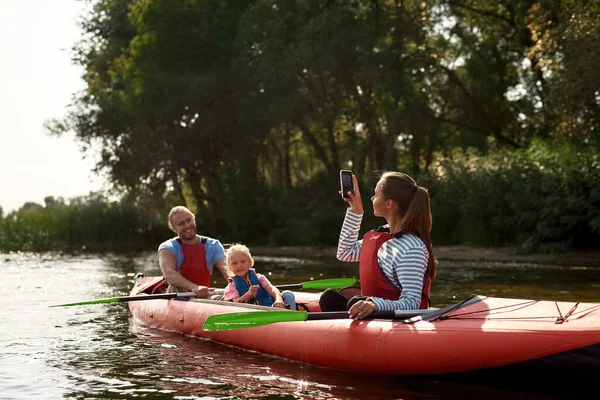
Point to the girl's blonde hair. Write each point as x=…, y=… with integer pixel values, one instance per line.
x=236, y=248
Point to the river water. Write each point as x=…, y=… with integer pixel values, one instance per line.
x=97, y=352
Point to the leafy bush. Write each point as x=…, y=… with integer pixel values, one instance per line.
x=541, y=198
x=90, y=223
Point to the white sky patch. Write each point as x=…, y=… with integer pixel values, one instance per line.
x=37, y=80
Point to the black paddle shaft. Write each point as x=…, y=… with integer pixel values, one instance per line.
x=289, y=286
x=150, y=297
x=344, y=314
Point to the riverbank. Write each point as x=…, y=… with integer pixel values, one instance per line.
x=590, y=257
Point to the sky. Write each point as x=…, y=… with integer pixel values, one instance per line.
x=37, y=81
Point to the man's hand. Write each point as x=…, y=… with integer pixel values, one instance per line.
x=202, y=291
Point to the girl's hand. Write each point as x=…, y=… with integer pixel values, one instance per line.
x=253, y=290
x=279, y=304
x=362, y=309
x=354, y=200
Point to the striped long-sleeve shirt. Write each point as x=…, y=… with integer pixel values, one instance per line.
x=402, y=260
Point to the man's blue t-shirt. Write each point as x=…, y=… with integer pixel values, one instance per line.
x=214, y=251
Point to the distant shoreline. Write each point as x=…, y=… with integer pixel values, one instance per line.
x=579, y=258
x=590, y=257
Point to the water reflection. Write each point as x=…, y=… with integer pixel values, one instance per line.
x=96, y=351
x=194, y=367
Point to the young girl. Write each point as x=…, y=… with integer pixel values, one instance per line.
x=246, y=286
x=396, y=261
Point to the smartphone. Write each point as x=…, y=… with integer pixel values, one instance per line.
x=346, y=182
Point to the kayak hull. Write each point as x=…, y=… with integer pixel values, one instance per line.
x=492, y=332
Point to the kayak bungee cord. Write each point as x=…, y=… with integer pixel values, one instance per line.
x=509, y=308
x=512, y=307
x=562, y=319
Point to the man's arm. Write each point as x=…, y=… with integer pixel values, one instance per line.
x=222, y=266
x=167, y=264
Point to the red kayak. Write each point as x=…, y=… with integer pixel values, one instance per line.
x=476, y=334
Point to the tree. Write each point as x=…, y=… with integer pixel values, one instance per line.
x=30, y=205
x=567, y=44
x=228, y=106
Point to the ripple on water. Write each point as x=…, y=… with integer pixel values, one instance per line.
x=97, y=352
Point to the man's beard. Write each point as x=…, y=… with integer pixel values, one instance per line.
x=188, y=235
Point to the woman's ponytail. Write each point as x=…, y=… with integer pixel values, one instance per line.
x=414, y=206
x=418, y=221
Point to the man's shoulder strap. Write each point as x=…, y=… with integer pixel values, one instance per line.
x=202, y=239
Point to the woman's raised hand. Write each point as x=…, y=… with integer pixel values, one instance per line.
x=354, y=200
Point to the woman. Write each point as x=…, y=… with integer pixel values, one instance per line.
x=397, y=264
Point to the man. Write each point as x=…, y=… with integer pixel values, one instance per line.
x=187, y=260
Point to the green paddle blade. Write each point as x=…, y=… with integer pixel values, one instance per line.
x=335, y=283
x=231, y=321
x=142, y=297
x=82, y=303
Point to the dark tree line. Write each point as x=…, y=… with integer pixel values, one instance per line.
x=246, y=110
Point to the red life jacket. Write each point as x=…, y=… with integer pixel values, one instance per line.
x=372, y=280
x=194, y=267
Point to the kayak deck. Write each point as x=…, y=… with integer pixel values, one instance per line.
x=481, y=333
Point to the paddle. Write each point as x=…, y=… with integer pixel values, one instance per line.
x=130, y=298
x=231, y=321
x=334, y=283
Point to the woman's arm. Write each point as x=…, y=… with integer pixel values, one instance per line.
x=349, y=246
x=404, y=265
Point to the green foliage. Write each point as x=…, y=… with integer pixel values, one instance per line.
x=91, y=223
x=567, y=45
x=307, y=215
x=246, y=109
x=542, y=198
